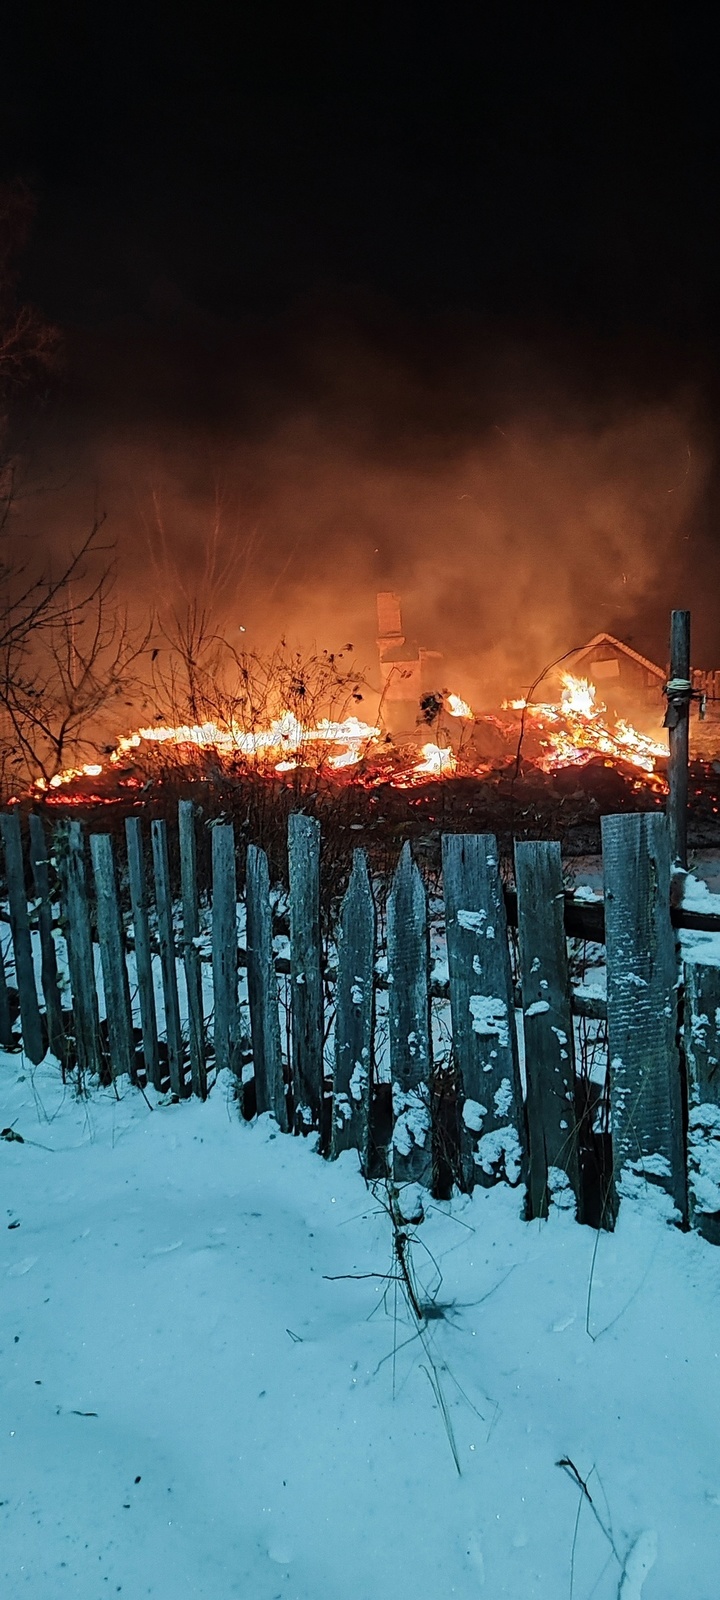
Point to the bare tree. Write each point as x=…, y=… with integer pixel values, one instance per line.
x=62, y=673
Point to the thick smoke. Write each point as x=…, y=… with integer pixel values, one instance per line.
x=515, y=519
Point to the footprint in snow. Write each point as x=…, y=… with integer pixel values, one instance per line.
x=19, y=1268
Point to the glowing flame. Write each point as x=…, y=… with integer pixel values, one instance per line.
x=435, y=763
x=459, y=708
x=286, y=737
x=92, y=769
x=585, y=735
x=577, y=695
x=570, y=732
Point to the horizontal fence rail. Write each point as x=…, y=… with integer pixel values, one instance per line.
x=350, y=1034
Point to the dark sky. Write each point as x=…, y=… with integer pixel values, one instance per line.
x=532, y=163
x=412, y=228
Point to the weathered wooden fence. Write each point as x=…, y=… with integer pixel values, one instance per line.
x=135, y=1004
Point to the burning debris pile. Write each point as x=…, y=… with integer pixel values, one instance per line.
x=523, y=739
x=270, y=730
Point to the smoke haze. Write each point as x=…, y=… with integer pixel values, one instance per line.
x=515, y=518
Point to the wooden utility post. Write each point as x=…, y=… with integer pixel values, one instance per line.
x=677, y=722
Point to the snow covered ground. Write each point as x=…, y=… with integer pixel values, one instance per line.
x=200, y=1395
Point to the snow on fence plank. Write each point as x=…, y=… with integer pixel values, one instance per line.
x=226, y=1025
x=554, y=1161
x=40, y=858
x=112, y=956
x=164, y=905
x=493, y=1141
x=263, y=992
x=702, y=1055
x=7, y=1039
x=409, y=1010
x=645, y=1084
x=306, y=977
x=355, y=1016
x=32, y=1028
x=70, y=857
x=143, y=953
x=191, y=955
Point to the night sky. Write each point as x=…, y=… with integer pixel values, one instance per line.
x=299, y=253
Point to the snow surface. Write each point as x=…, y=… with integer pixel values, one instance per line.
x=200, y=1397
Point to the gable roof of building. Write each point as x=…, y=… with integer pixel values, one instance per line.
x=617, y=644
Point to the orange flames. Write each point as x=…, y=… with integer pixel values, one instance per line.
x=574, y=732
x=569, y=733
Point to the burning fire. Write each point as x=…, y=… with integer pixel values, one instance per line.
x=570, y=733
x=574, y=732
x=435, y=762
x=459, y=708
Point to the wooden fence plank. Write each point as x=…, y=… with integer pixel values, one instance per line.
x=7, y=1040
x=224, y=946
x=702, y=1054
x=645, y=1089
x=40, y=858
x=409, y=1010
x=143, y=952
x=482, y=1007
x=191, y=954
x=166, y=936
x=306, y=979
x=70, y=856
x=263, y=991
x=111, y=939
x=30, y=1018
x=355, y=1016
x=554, y=1159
